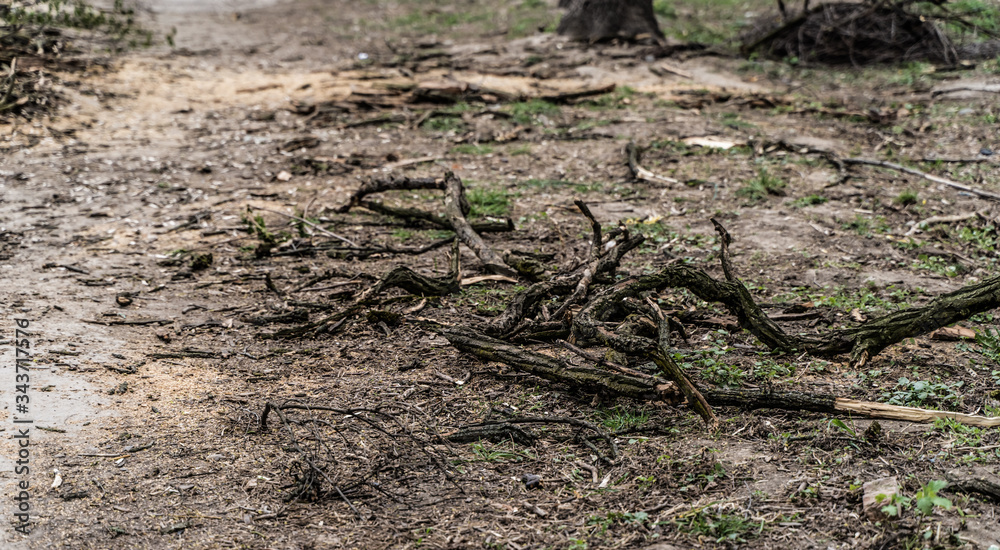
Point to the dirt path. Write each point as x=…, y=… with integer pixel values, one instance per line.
x=151, y=372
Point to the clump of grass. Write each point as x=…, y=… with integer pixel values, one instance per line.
x=759, y=187
x=527, y=113
x=811, y=200
x=444, y=124
x=622, y=418
x=906, y=198
x=488, y=202
x=471, y=149
x=618, y=99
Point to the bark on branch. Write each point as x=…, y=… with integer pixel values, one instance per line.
x=453, y=199
x=591, y=379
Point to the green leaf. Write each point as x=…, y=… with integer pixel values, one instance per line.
x=937, y=485
x=942, y=502
x=840, y=424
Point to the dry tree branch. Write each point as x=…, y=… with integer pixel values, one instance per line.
x=454, y=198
x=925, y=175
x=590, y=324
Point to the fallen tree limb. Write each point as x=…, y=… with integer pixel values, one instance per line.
x=923, y=224
x=415, y=283
x=524, y=304
x=980, y=480
x=673, y=372
x=640, y=173
x=392, y=183
x=508, y=429
x=550, y=368
x=925, y=175
x=440, y=220
x=453, y=199
x=591, y=379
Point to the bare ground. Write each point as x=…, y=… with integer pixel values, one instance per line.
x=152, y=375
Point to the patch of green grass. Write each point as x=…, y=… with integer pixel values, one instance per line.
x=867, y=299
x=713, y=22
x=528, y=113
x=962, y=435
x=524, y=149
x=444, y=124
x=906, y=198
x=733, y=120
x=988, y=347
x=656, y=231
x=768, y=369
x=603, y=523
x=938, y=265
x=866, y=226
x=620, y=418
x=590, y=123
x=529, y=17
x=761, y=186
x=257, y=227
x=982, y=238
x=711, y=365
x=620, y=98
x=472, y=149
x=435, y=17
x=488, y=202
x=487, y=452
x=117, y=22
x=486, y=300
x=911, y=73
x=981, y=15
x=810, y=200
x=664, y=9
x=862, y=225
x=402, y=234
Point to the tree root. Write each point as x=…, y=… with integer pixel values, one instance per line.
x=863, y=342
x=631, y=299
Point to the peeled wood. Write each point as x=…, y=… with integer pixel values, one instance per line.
x=911, y=414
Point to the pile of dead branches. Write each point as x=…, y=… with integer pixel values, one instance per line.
x=632, y=355
x=858, y=33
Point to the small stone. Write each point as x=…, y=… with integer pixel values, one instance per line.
x=887, y=487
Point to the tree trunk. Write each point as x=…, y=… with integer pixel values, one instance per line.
x=595, y=20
